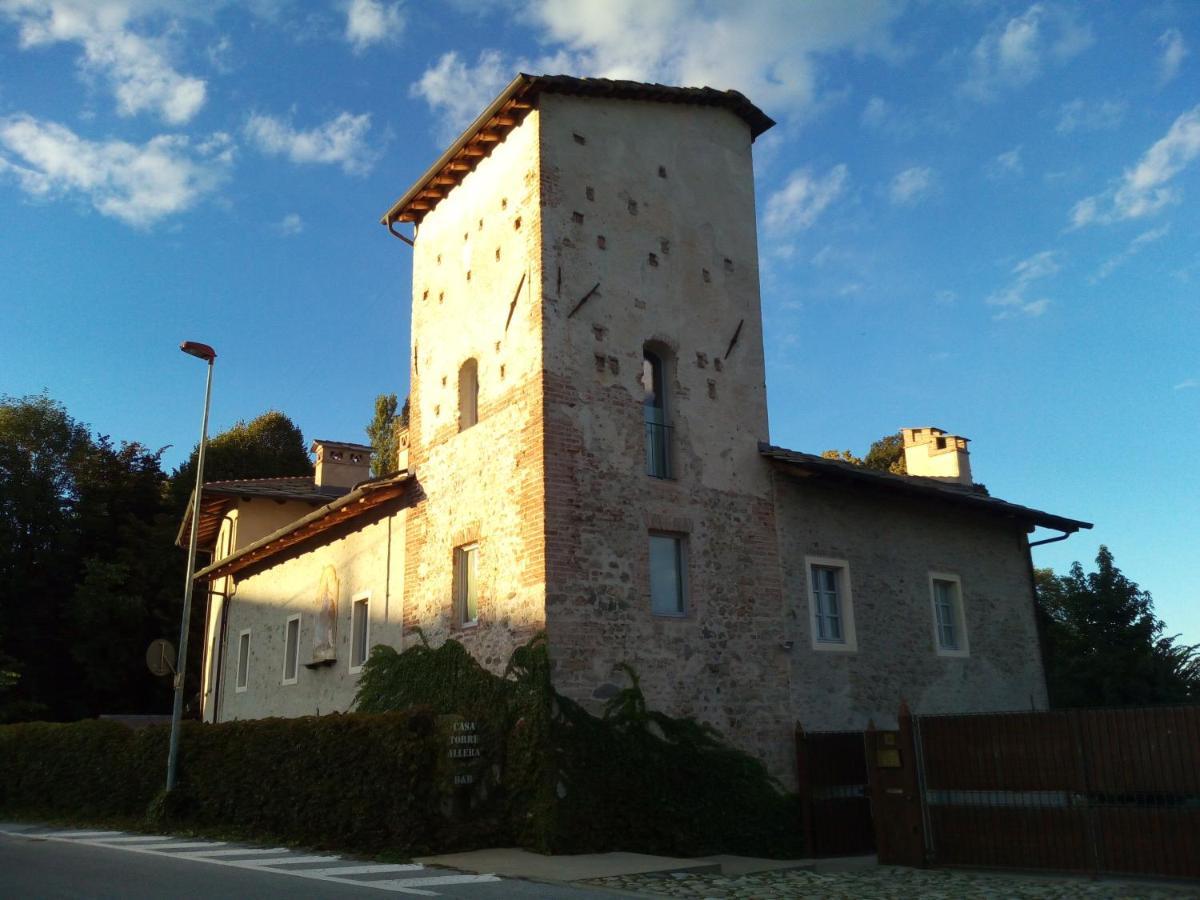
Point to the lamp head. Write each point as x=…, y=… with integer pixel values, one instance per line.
x=198, y=350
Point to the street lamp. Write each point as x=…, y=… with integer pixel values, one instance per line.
x=208, y=354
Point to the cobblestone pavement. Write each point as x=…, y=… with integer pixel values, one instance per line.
x=886, y=883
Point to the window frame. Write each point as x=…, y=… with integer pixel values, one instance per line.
x=661, y=429
x=240, y=686
x=364, y=598
x=964, y=645
x=296, y=660
x=470, y=365
x=845, y=595
x=462, y=556
x=681, y=562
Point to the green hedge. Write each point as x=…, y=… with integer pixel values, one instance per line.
x=358, y=782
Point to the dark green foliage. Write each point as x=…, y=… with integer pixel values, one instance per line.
x=634, y=779
x=1103, y=645
x=383, y=433
x=357, y=782
x=269, y=446
x=885, y=455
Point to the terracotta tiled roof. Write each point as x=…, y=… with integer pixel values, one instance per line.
x=962, y=495
x=219, y=496
x=515, y=101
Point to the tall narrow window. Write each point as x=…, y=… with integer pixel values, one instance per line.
x=949, y=623
x=243, y=662
x=291, y=649
x=466, y=584
x=830, y=604
x=468, y=394
x=654, y=409
x=360, y=629
x=668, y=588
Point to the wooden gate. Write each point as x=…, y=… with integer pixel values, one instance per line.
x=834, y=795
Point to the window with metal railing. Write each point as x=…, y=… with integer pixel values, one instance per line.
x=655, y=414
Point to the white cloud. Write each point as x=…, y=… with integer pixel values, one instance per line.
x=763, y=49
x=136, y=66
x=1012, y=53
x=1014, y=299
x=1080, y=115
x=290, y=224
x=800, y=202
x=136, y=184
x=1135, y=246
x=1005, y=164
x=372, y=22
x=341, y=141
x=1173, y=54
x=1187, y=384
x=459, y=92
x=911, y=185
x=1146, y=188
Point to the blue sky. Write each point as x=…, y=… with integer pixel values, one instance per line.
x=981, y=216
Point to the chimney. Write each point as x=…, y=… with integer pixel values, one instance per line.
x=931, y=453
x=340, y=464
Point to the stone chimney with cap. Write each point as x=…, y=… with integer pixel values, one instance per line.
x=932, y=453
x=340, y=464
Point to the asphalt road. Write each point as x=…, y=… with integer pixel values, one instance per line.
x=44, y=863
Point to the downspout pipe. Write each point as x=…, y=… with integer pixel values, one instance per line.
x=1061, y=537
x=395, y=233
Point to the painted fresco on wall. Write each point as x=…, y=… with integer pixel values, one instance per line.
x=325, y=630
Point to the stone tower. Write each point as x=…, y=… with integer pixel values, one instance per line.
x=588, y=394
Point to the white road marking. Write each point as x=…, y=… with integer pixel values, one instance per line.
x=185, y=845
x=432, y=881
x=79, y=834
x=132, y=839
x=376, y=869
x=281, y=860
x=138, y=844
x=237, y=851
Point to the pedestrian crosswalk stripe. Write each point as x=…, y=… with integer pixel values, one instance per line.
x=283, y=860
x=183, y=845
x=134, y=839
x=78, y=834
x=432, y=881
x=236, y=851
x=375, y=869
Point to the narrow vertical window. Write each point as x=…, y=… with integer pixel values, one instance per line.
x=668, y=590
x=654, y=410
x=360, y=626
x=828, y=604
x=468, y=394
x=291, y=650
x=243, y=662
x=466, y=584
x=949, y=623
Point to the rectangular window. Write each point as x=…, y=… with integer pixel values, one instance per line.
x=360, y=631
x=291, y=650
x=668, y=588
x=466, y=584
x=949, y=623
x=243, y=662
x=830, y=604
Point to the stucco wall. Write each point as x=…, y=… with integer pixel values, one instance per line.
x=891, y=547
x=367, y=555
x=653, y=206
x=476, y=275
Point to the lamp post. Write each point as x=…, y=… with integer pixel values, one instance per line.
x=208, y=354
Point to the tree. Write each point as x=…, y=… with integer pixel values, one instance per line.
x=383, y=433
x=269, y=446
x=885, y=455
x=1103, y=645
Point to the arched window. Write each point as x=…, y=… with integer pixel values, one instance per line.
x=655, y=411
x=468, y=394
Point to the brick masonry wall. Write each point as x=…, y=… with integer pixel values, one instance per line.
x=891, y=546
x=652, y=205
x=476, y=275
